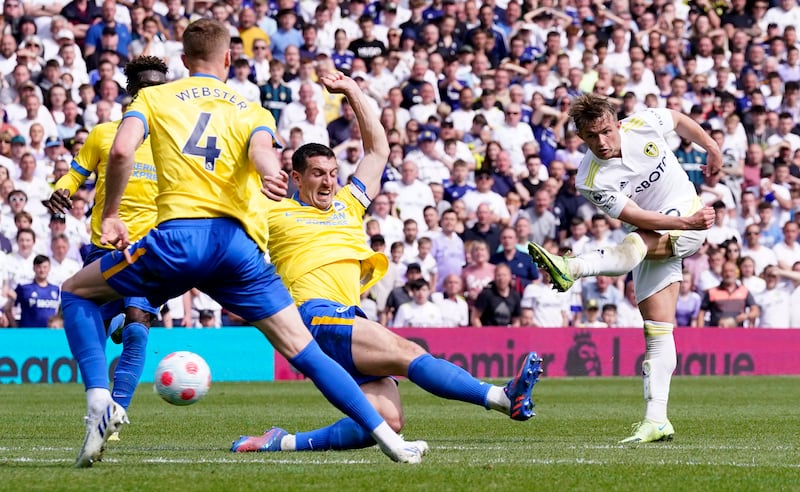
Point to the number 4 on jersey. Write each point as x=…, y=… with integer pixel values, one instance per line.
x=192, y=147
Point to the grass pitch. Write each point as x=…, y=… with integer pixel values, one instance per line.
x=731, y=434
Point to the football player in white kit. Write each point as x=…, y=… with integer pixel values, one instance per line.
x=631, y=174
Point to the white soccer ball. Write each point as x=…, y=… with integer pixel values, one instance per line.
x=182, y=378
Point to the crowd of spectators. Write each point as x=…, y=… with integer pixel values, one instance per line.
x=474, y=97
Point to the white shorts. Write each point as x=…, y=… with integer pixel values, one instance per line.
x=652, y=276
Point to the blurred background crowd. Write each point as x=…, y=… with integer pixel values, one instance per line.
x=474, y=97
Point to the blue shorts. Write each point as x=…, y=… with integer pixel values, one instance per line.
x=214, y=255
x=331, y=324
x=113, y=308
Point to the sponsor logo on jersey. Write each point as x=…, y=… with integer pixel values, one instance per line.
x=653, y=177
x=622, y=185
x=650, y=149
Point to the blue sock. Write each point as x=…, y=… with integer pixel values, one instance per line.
x=344, y=434
x=336, y=385
x=446, y=380
x=86, y=334
x=131, y=363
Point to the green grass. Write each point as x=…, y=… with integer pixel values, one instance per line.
x=731, y=434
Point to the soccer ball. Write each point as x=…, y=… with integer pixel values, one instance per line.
x=182, y=378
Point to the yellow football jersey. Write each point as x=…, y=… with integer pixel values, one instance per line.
x=138, y=207
x=322, y=254
x=200, y=131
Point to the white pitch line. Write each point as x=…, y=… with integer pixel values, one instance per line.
x=438, y=460
x=249, y=462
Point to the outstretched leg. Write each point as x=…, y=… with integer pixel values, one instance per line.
x=377, y=351
x=341, y=435
x=334, y=382
x=612, y=261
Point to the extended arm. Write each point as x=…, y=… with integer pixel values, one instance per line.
x=129, y=136
x=373, y=135
x=690, y=130
x=654, y=221
x=268, y=165
x=84, y=164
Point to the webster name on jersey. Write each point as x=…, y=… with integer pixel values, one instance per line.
x=214, y=92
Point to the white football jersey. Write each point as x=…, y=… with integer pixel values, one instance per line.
x=648, y=172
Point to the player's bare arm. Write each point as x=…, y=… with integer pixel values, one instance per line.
x=263, y=156
x=373, y=135
x=690, y=130
x=120, y=162
x=654, y=221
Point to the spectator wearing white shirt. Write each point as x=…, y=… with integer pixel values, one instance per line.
x=451, y=302
x=774, y=302
x=784, y=135
x=240, y=82
x=761, y=255
x=550, y=307
x=628, y=313
x=463, y=115
x=8, y=53
x=512, y=133
x=312, y=131
x=412, y=194
x=61, y=267
x=420, y=312
x=641, y=81
x=747, y=275
x=34, y=112
x=391, y=227
x=448, y=134
x=483, y=194
x=712, y=191
x=20, y=262
x=494, y=115
x=788, y=250
x=294, y=112
x=427, y=263
x=305, y=75
x=434, y=166
x=150, y=41
x=427, y=105
x=35, y=187
x=720, y=231
x=786, y=13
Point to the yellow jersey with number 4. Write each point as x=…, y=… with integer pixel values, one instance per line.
x=138, y=207
x=200, y=132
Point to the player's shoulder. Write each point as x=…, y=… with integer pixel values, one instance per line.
x=654, y=117
x=102, y=130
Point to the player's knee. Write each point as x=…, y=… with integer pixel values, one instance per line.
x=68, y=285
x=394, y=417
x=135, y=315
x=412, y=350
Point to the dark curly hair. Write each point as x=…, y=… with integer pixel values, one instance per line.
x=136, y=67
